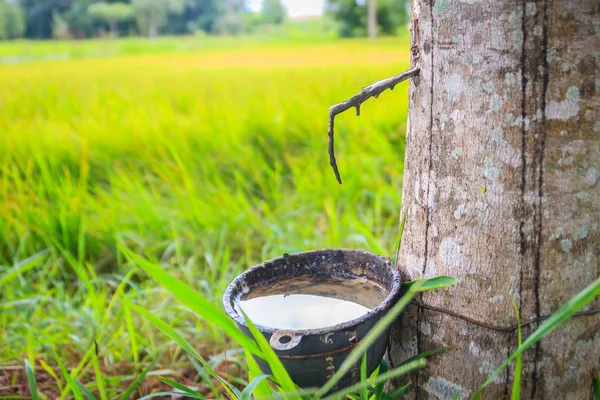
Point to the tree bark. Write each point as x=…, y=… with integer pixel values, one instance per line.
x=152, y=30
x=372, y=18
x=502, y=191
x=112, y=26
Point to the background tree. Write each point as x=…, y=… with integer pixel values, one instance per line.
x=352, y=16
x=230, y=23
x=60, y=28
x=392, y=15
x=233, y=20
x=196, y=15
x=78, y=19
x=174, y=17
x=11, y=20
x=502, y=191
x=372, y=18
x=39, y=18
x=111, y=13
x=151, y=15
x=273, y=12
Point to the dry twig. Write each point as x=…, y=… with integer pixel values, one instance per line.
x=373, y=90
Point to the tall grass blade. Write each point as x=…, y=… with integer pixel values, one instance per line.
x=516, y=389
x=79, y=269
x=558, y=318
x=430, y=284
x=252, y=386
x=596, y=385
x=70, y=381
x=194, y=301
x=378, y=396
x=277, y=369
x=396, y=372
x=31, y=342
x=22, y=267
x=88, y=395
x=177, y=385
x=167, y=330
x=371, y=337
x=116, y=297
x=424, y=354
x=263, y=389
x=51, y=372
x=138, y=380
x=31, y=380
x=383, y=368
x=184, y=344
x=131, y=332
x=205, y=376
x=98, y=373
x=364, y=392
x=80, y=366
x=399, y=240
x=164, y=395
x=399, y=392
x=382, y=325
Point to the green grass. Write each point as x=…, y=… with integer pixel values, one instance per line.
x=292, y=34
x=282, y=384
x=203, y=158
x=206, y=161
x=27, y=51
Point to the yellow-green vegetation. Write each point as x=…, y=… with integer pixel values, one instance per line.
x=206, y=160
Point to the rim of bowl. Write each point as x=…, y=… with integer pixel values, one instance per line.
x=386, y=304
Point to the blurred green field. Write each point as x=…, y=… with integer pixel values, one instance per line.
x=205, y=159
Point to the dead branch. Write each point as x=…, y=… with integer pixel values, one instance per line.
x=373, y=90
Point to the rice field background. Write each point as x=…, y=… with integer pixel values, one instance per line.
x=205, y=156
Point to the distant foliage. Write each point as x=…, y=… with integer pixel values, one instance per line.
x=11, y=20
x=40, y=17
x=197, y=15
x=352, y=16
x=233, y=21
x=111, y=13
x=152, y=14
x=230, y=24
x=44, y=19
x=273, y=12
x=89, y=18
x=60, y=29
x=80, y=22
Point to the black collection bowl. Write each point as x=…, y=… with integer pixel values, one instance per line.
x=311, y=356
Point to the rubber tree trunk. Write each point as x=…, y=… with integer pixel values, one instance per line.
x=502, y=191
x=372, y=18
